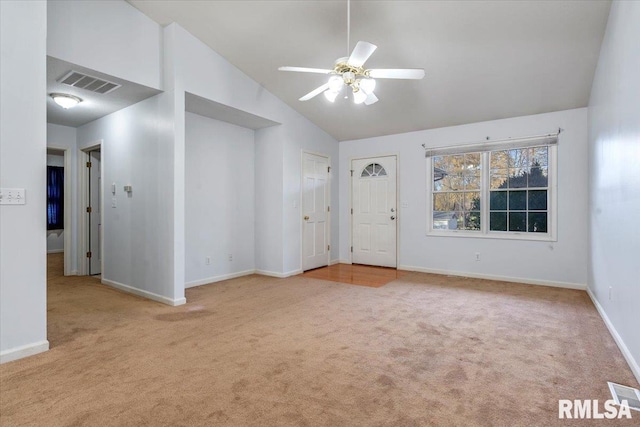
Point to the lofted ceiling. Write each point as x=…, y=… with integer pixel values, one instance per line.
x=484, y=60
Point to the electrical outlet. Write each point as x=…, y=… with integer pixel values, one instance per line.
x=207, y=260
x=230, y=257
x=610, y=291
x=477, y=256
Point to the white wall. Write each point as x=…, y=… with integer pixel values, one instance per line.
x=269, y=194
x=55, y=241
x=55, y=238
x=203, y=72
x=138, y=233
x=23, y=149
x=55, y=160
x=614, y=184
x=109, y=36
x=220, y=199
x=64, y=138
x=562, y=262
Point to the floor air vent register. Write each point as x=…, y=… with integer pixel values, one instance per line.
x=621, y=392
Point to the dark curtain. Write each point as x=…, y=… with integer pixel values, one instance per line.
x=55, y=198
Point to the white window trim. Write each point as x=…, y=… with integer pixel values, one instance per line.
x=552, y=209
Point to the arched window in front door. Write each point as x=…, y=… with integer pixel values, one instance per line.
x=372, y=170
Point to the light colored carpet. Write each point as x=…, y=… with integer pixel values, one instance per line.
x=422, y=350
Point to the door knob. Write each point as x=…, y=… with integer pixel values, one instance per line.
x=393, y=210
x=393, y=217
x=306, y=217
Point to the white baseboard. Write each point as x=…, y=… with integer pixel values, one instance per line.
x=73, y=273
x=334, y=262
x=568, y=285
x=241, y=274
x=143, y=293
x=279, y=275
x=55, y=251
x=219, y=278
x=23, y=351
x=633, y=364
x=344, y=261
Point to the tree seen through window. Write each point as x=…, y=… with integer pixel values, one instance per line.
x=518, y=193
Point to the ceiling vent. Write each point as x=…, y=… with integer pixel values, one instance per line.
x=83, y=81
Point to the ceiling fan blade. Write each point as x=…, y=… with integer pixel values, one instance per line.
x=361, y=53
x=315, y=92
x=305, y=70
x=408, y=73
x=371, y=99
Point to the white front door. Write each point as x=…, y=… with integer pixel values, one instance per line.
x=315, y=211
x=374, y=215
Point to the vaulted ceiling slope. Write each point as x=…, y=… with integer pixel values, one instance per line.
x=484, y=60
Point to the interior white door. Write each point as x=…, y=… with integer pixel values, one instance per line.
x=315, y=211
x=374, y=215
x=95, y=226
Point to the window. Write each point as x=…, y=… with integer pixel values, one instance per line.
x=518, y=198
x=373, y=169
x=456, y=192
x=493, y=190
x=55, y=198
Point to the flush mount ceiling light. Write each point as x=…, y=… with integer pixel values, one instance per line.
x=349, y=72
x=65, y=101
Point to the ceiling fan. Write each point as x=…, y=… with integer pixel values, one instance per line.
x=350, y=72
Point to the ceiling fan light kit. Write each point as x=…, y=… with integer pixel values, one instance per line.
x=350, y=72
x=331, y=95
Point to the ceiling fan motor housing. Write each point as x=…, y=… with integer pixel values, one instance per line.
x=351, y=75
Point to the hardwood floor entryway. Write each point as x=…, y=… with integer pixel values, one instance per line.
x=355, y=274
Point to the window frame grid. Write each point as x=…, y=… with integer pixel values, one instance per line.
x=464, y=191
x=484, y=232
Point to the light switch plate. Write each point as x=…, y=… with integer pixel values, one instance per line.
x=12, y=196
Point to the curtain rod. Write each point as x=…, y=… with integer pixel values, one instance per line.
x=489, y=140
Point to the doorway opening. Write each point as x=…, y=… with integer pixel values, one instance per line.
x=59, y=232
x=91, y=207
